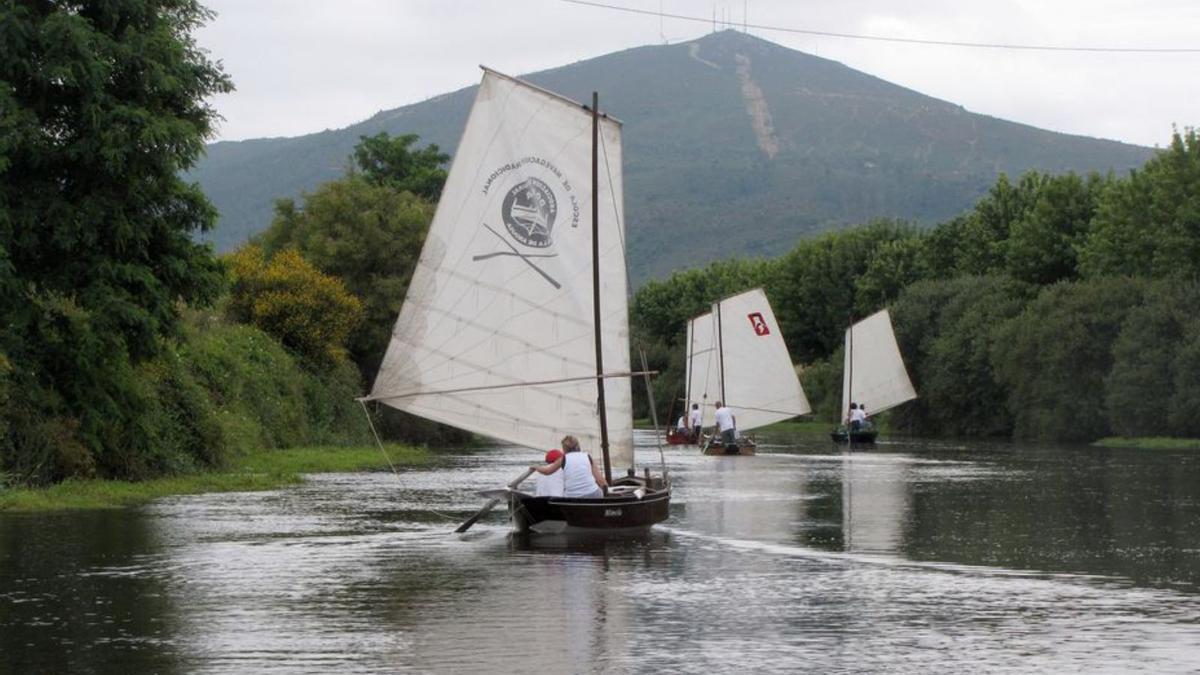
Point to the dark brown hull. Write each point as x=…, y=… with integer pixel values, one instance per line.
x=626, y=511
x=863, y=436
x=745, y=446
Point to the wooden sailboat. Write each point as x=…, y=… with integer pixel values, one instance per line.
x=737, y=355
x=515, y=325
x=873, y=374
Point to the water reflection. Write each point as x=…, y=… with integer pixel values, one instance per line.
x=875, y=492
x=905, y=558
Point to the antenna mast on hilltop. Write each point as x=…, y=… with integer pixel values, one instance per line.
x=662, y=34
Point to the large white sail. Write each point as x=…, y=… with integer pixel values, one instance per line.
x=703, y=371
x=496, y=332
x=761, y=386
x=873, y=374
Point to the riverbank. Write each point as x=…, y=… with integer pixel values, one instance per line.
x=255, y=471
x=1149, y=443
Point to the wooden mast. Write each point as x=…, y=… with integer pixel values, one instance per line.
x=687, y=384
x=596, y=286
x=721, y=353
x=849, y=379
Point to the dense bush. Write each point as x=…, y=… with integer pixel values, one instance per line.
x=1054, y=357
x=263, y=397
x=822, y=383
x=946, y=332
x=309, y=312
x=224, y=389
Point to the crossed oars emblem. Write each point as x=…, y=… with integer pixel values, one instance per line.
x=523, y=256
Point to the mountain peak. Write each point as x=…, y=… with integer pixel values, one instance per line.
x=734, y=145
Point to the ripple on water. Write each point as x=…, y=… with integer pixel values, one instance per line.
x=903, y=560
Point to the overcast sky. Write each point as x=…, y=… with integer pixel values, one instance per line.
x=301, y=66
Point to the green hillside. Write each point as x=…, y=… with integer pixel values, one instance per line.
x=733, y=145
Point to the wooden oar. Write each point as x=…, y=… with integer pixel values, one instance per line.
x=491, y=504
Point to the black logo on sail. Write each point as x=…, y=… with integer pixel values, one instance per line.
x=528, y=210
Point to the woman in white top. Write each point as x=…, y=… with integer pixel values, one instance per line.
x=581, y=476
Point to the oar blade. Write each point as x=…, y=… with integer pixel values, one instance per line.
x=482, y=512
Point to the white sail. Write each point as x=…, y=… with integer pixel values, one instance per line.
x=496, y=333
x=761, y=386
x=703, y=371
x=873, y=374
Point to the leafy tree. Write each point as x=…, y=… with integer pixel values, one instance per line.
x=309, y=312
x=1053, y=358
x=992, y=221
x=893, y=266
x=946, y=331
x=1149, y=224
x=369, y=236
x=1042, y=245
x=102, y=105
x=1139, y=390
x=389, y=161
x=1183, y=412
x=815, y=288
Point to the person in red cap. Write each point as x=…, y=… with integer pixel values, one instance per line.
x=550, y=485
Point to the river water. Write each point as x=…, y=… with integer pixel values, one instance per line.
x=911, y=557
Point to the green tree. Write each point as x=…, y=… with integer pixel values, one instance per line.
x=102, y=105
x=384, y=160
x=893, y=266
x=815, y=290
x=1054, y=357
x=946, y=331
x=367, y=235
x=1149, y=224
x=1042, y=245
x=1183, y=412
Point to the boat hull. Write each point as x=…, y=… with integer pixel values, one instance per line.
x=677, y=438
x=633, y=510
x=862, y=436
x=745, y=447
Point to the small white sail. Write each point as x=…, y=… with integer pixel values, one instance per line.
x=703, y=373
x=761, y=386
x=496, y=333
x=873, y=360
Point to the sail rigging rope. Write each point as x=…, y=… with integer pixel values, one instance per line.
x=386, y=457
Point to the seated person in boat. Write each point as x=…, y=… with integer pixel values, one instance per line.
x=726, y=425
x=582, y=477
x=695, y=419
x=551, y=485
x=858, y=417
x=681, y=425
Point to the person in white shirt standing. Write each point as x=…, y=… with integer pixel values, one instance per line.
x=695, y=420
x=726, y=425
x=858, y=417
x=550, y=485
